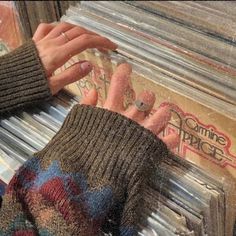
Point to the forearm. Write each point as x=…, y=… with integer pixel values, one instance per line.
x=75, y=182
x=23, y=81
x=39, y=202
x=54, y=200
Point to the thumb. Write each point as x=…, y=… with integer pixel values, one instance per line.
x=91, y=98
x=70, y=75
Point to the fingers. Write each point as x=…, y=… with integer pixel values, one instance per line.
x=118, y=86
x=83, y=42
x=72, y=74
x=58, y=29
x=62, y=41
x=73, y=33
x=103, y=50
x=146, y=98
x=171, y=140
x=42, y=30
x=91, y=98
x=158, y=120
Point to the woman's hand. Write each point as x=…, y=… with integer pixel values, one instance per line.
x=115, y=102
x=56, y=44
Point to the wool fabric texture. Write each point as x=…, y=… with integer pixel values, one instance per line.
x=23, y=80
x=94, y=169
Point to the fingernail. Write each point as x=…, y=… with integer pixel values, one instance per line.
x=86, y=66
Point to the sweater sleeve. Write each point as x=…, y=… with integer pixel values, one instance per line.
x=23, y=81
x=94, y=167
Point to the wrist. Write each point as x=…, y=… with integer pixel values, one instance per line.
x=93, y=138
x=22, y=78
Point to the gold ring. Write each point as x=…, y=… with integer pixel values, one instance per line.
x=65, y=36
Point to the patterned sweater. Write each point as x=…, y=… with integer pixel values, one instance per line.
x=90, y=174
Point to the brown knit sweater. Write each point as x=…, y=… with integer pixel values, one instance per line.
x=23, y=81
x=95, y=168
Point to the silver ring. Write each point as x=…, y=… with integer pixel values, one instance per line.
x=65, y=36
x=141, y=106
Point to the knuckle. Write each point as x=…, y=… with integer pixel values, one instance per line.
x=43, y=25
x=85, y=37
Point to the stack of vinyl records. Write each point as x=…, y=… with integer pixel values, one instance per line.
x=182, y=199
x=28, y=132
x=188, y=55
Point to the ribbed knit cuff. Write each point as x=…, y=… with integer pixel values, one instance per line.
x=23, y=80
x=112, y=152
x=103, y=144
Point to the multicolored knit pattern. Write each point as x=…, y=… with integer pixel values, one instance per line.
x=96, y=161
x=2, y=188
x=59, y=203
